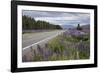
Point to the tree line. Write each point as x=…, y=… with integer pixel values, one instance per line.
x=29, y=23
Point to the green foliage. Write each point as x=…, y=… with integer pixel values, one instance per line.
x=83, y=55
x=81, y=38
x=29, y=23
x=56, y=45
x=59, y=48
x=54, y=57
x=63, y=48
x=38, y=58
x=79, y=27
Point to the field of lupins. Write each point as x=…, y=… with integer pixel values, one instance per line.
x=71, y=45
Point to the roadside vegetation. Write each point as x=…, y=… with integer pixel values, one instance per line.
x=73, y=44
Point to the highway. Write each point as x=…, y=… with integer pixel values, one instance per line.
x=30, y=39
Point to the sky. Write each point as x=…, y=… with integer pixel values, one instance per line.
x=59, y=18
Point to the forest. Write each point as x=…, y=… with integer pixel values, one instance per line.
x=29, y=23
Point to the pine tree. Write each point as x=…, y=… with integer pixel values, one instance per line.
x=79, y=27
x=29, y=23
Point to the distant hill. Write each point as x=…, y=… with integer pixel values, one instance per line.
x=67, y=26
x=86, y=28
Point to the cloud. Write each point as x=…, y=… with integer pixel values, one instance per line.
x=59, y=18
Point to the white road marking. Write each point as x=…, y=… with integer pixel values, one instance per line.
x=42, y=40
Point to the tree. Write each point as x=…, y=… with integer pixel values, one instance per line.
x=79, y=27
x=29, y=23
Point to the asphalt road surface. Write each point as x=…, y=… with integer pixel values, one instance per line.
x=32, y=38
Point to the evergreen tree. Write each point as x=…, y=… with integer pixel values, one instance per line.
x=29, y=23
x=79, y=27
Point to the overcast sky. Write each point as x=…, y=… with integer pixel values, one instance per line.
x=59, y=18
